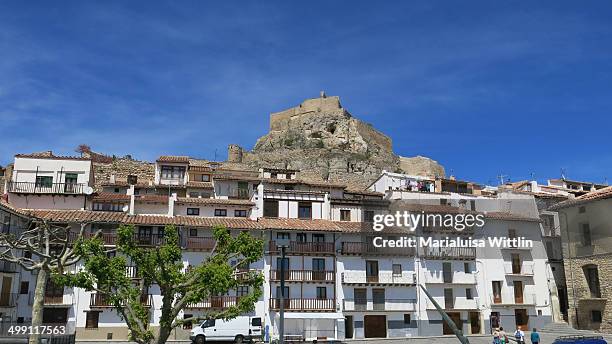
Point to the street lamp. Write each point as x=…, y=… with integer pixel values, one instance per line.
x=283, y=244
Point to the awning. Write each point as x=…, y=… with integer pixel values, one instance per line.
x=297, y=315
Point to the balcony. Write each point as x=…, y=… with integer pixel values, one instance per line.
x=8, y=300
x=310, y=276
x=132, y=272
x=444, y=253
x=359, y=305
x=383, y=278
x=305, y=305
x=366, y=248
x=8, y=267
x=239, y=194
x=47, y=188
x=511, y=300
x=215, y=302
x=454, y=278
x=199, y=244
x=305, y=248
x=525, y=269
x=110, y=239
x=54, y=300
x=102, y=301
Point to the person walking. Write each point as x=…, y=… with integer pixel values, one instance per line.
x=519, y=335
x=503, y=338
x=496, y=339
x=535, y=336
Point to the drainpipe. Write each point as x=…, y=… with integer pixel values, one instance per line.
x=569, y=257
x=171, y=201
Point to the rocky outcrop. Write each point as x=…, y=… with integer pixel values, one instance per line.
x=321, y=136
x=421, y=166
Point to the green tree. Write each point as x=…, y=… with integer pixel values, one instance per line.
x=163, y=266
x=52, y=250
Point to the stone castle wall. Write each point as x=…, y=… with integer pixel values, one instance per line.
x=280, y=120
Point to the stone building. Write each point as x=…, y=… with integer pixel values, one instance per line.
x=587, y=254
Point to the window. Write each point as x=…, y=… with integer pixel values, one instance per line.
x=27, y=254
x=205, y=178
x=318, y=237
x=193, y=211
x=194, y=194
x=318, y=269
x=467, y=268
x=116, y=190
x=193, y=232
x=345, y=215
x=220, y=212
x=256, y=322
x=92, y=318
x=592, y=277
x=173, y=172
x=24, y=287
x=187, y=325
x=585, y=229
x=305, y=210
x=282, y=235
x=497, y=286
x=448, y=298
x=407, y=319
x=242, y=290
x=443, y=201
x=270, y=208
x=301, y=237
x=511, y=233
x=107, y=206
x=447, y=272
x=468, y=294
x=397, y=269
x=368, y=216
x=472, y=204
x=596, y=316
x=20, y=320
x=289, y=187
x=240, y=213
x=582, y=209
x=321, y=293
x=44, y=181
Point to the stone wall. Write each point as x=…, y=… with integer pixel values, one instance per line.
x=121, y=168
x=579, y=296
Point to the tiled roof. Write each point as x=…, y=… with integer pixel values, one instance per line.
x=431, y=208
x=307, y=225
x=151, y=198
x=110, y=197
x=604, y=193
x=195, y=200
x=200, y=185
x=499, y=215
x=78, y=215
x=50, y=155
x=173, y=158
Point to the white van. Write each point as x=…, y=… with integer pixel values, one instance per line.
x=241, y=329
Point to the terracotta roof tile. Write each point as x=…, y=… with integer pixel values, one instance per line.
x=50, y=155
x=151, y=198
x=110, y=197
x=200, y=185
x=309, y=225
x=600, y=194
x=173, y=158
x=499, y=215
x=194, y=200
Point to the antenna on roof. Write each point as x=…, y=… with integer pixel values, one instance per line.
x=501, y=178
x=532, y=174
x=562, y=173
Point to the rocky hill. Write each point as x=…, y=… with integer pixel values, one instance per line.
x=322, y=139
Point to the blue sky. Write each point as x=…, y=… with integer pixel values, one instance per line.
x=485, y=88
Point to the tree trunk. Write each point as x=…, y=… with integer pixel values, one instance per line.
x=164, y=333
x=38, y=305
